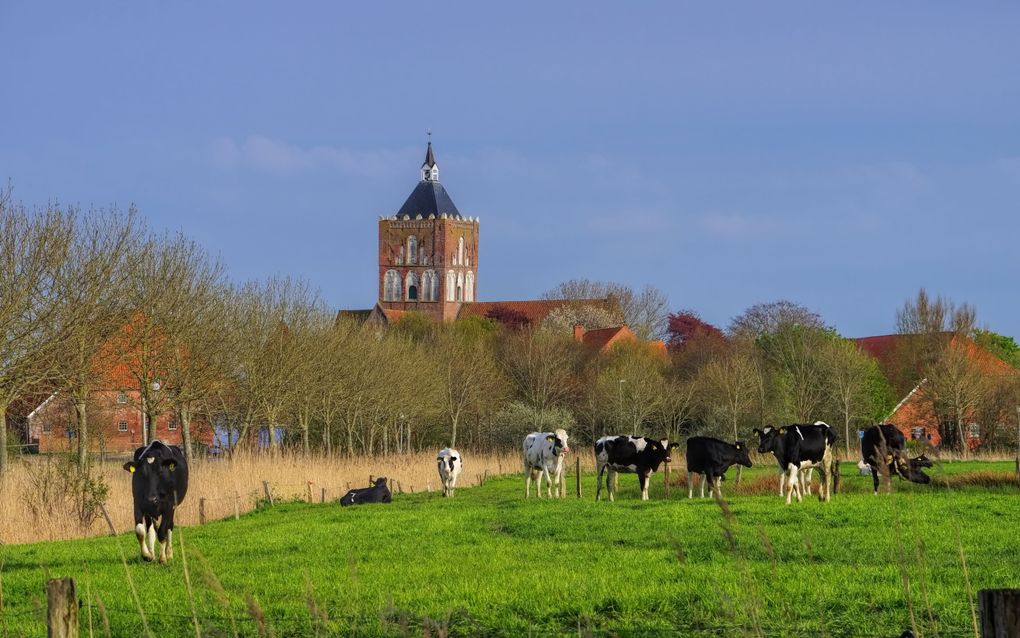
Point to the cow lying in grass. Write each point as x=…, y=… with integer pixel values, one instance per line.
x=378, y=493
x=159, y=481
x=883, y=448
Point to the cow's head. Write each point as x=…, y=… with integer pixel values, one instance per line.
x=152, y=473
x=562, y=435
x=381, y=481
x=768, y=438
x=921, y=461
x=559, y=445
x=742, y=454
x=659, y=452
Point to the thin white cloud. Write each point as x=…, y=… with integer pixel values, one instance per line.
x=263, y=154
x=736, y=225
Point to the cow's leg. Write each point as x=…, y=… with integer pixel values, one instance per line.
x=874, y=478
x=809, y=472
x=166, y=524
x=598, y=482
x=782, y=482
x=791, y=482
x=717, y=482
x=702, y=479
x=527, y=482
x=611, y=484
x=141, y=524
x=690, y=484
x=825, y=475
x=150, y=539
x=643, y=483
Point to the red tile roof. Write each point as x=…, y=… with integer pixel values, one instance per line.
x=533, y=310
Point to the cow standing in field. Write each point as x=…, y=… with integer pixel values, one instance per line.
x=159, y=481
x=711, y=458
x=377, y=493
x=883, y=448
x=450, y=463
x=799, y=447
x=543, y=456
x=630, y=455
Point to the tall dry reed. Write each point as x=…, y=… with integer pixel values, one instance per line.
x=237, y=480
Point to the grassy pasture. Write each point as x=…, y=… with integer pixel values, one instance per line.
x=490, y=563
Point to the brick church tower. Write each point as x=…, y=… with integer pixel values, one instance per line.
x=428, y=251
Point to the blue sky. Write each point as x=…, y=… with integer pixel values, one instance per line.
x=837, y=155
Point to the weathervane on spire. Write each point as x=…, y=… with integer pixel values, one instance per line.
x=429, y=170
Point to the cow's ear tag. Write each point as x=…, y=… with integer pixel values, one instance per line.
x=782, y=430
x=550, y=438
x=171, y=466
x=131, y=468
x=738, y=446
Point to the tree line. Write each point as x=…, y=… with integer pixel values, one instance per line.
x=90, y=299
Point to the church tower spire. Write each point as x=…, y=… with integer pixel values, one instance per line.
x=429, y=169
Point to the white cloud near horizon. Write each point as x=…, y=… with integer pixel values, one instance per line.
x=266, y=155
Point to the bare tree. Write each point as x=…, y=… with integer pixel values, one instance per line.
x=646, y=312
x=768, y=318
x=91, y=289
x=956, y=385
x=850, y=376
x=468, y=377
x=540, y=366
x=589, y=316
x=728, y=388
x=34, y=250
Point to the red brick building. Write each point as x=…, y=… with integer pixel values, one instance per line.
x=914, y=415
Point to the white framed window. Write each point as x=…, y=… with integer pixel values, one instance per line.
x=172, y=424
x=460, y=286
x=412, y=287
x=122, y=426
x=451, y=285
x=412, y=250
x=430, y=286
x=391, y=286
x=974, y=431
x=460, y=251
x=469, y=287
x=47, y=427
x=917, y=434
x=122, y=397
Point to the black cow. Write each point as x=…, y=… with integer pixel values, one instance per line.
x=159, y=481
x=378, y=493
x=883, y=448
x=711, y=458
x=799, y=447
x=631, y=455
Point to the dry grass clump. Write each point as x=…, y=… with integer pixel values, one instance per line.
x=232, y=483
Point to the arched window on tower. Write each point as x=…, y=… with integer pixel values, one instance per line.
x=429, y=286
x=460, y=251
x=460, y=286
x=469, y=287
x=391, y=286
x=412, y=286
x=412, y=250
x=451, y=285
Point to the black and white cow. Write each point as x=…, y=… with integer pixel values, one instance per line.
x=629, y=455
x=543, y=456
x=798, y=447
x=377, y=493
x=711, y=458
x=883, y=448
x=159, y=482
x=449, y=462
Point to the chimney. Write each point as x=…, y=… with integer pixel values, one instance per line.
x=578, y=332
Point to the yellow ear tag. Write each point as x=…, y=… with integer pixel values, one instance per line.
x=738, y=447
x=131, y=469
x=172, y=466
x=550, y=438
x=782, y=430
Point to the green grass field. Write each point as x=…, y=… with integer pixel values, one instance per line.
x=490, y=563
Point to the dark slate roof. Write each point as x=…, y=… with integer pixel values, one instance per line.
x=428, y=198
x=430, y=161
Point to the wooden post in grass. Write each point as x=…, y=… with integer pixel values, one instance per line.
x=835, y=477
x=61, y=608
x=237, y=506
x=577, y=474
x=269, y=495
x=201, y=511
x=323, y=499
x=309, y=486
x=1000, y=613
x=109, y=521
